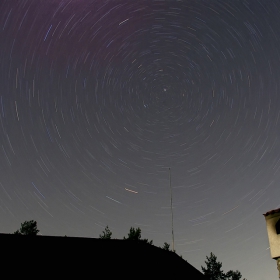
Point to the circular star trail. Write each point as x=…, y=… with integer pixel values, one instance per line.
x=99, y=98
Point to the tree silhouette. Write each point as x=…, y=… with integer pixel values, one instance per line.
x=135, y=234
x=233, y=275
x=106, y=234
x=28, y=228
x=166, y=246
x=213, y=268
x=214, y=272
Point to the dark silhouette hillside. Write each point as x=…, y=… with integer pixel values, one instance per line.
x=90, y=258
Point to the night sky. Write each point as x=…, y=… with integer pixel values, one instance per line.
x=99, y=98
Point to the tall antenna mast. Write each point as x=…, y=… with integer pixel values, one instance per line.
x=171, y=208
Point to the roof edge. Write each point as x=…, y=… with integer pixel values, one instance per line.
x=272, y=212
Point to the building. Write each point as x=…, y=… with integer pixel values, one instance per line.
x=90, y=258
x=272, y=219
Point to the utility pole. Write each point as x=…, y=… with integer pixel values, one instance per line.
x=171, y=209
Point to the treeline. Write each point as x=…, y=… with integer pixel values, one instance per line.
x=213, y=268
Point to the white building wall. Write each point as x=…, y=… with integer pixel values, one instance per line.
x=273, y=237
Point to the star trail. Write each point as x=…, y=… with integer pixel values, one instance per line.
x=99, y=98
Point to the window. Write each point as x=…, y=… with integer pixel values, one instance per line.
x=277, y=226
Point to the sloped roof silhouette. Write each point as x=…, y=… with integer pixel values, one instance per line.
x=91, y=258
x=272, y=212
